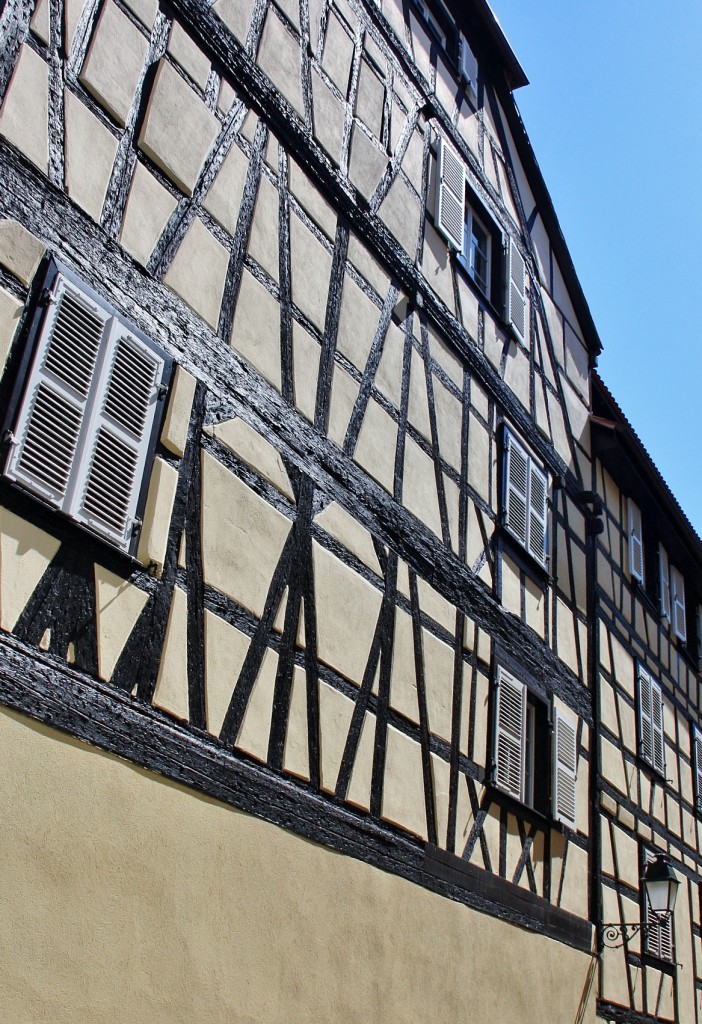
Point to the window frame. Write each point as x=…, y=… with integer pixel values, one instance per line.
x=659, y=938
x=637, y=568
x=119, y=410
x=534, y=749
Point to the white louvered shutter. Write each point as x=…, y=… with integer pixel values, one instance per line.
x=565, y=762
x=697, y=765
x=451, y=196
x=469, y=65
x=645, y=716
x=516, y=295
x=538, y=512
x=517, y=490
x=659, y=937
x=636, y=565
x=677, y=601
x=658, y=734
x=119, y=432
x=510, y=734
x=664, y=572
x=43, y=457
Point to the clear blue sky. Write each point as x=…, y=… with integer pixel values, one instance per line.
x=614, y=113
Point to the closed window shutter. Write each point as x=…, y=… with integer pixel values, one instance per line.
x=677, y=590
x=538, y=512
x=516, y=296
x=51, y=419
x=565, y=761
x=658, y=734
x=510, y=734
x=659, y=937
x=665, y=581
x=451, y=196
x=636, y=565
x=120, y=429
x=645, y=717
x=697, y=767
x=517, y=490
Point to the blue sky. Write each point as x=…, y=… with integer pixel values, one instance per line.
x=614, y=113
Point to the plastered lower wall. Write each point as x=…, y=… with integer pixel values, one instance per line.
x=126, y=898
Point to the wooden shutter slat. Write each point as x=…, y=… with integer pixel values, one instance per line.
x=516, y=294
x=664, y=581
x=510, y=734
x=538, y=512
x=121, y=427
x=51, y=418
x=451, y=196
x=517, y=490
x=565, y=760
x=698, y=766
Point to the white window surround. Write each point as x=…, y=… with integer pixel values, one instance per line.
x=525, y=499
x=677, y=602
x=82, y=434
x=477, y=247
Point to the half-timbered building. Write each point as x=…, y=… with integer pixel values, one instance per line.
x=296, y=551
x=648, y=755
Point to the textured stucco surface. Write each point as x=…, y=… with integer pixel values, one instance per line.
x=145, y=903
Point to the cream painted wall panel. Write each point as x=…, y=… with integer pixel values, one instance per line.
x=188, y=55
x=511, y=596
x=403, y=679
x=624, y=667
x=367, y=266
x=255, y=727
x=174, y=433
x=263, y=242
x=279, y=58
x=310, y=262
x=388, y=376
x=431, y=603
x=25, y=554
x=358, y=322
x=178, y=129
x=115, y=62
x=39, y=24
x=25, y=111
x=149, y=208
x=479, y=469
x=153, y=538
x=296, y=749
x=164, y=861
x=198, y=272
x=223, y=197
x=362, y=773
x=171, y=693
x=403, y=784
x=71, y=16
x=11, y=310
x=534, y=606
x=449, y=424
x=438, y=681
x=20, y=251
x=118, y=605
x=343, y=398
x=441, y=776
x=253, y=449
x=347, y=614
x=335, y=712
x=236, y=15
x=339, y=524
x=306, y=353
x=242, y=537
x=256, y=328
x=401, y=214
x=566, y=644
x=436, y=265
x=225, y=650
x=376, y=446
x=328, y=116
x=367, y=163
x=311, y=199
x=418, y=406
x=419, y=491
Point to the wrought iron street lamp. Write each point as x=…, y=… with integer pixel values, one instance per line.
x=661, y=888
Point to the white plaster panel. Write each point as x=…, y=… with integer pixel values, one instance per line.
x=223, y=198
x=310, y=263
x=376, y=445
x=256, y=328
x=279, y=58
x=25, y=554
x=149, y=208
x=253, y=449
x=347, y=614
x=342, y=526
x=115, y=62
x=400, y=212
x=118, y=605
x=90, y=155
x=328, y=118
x=20, y=250
x=188, y=54
x=25, y=111
x=419, y=490
x=306, y=352
x=403, y=786
x=236, y=15
x=242, y=537
x=171, y=693
x=263, y=242
x=198, y=272
x=11, y=310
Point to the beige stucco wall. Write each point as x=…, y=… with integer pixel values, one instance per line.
x=126, y=898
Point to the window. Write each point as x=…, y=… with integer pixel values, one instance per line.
x=82, y=421
x=658, y=940
x=524, y=767
x=651, y=737
x=677, y=600
x=431, y=21
x=468, y=65
x=525, y=499
x=469, y=230
x=636, y=558
x=664, y=577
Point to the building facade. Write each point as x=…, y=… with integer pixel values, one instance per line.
x=301, y=590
